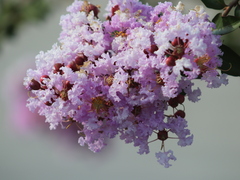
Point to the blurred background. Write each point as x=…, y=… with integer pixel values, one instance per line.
x=30, y=151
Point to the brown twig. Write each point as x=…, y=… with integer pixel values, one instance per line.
x=228, y=8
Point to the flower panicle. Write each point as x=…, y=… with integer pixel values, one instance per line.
x=123, y=76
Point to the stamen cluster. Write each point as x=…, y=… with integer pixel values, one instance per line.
x=122, y=75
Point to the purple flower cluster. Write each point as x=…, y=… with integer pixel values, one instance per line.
x=121, y=76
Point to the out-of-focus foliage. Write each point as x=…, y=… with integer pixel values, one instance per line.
x=231, y=63
x=237, y=11
x=225, y=23
x=13, y=13
x=214, y=4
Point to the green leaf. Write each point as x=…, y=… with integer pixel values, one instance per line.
x=231, y=61
x=225, y=25
x=35, y=10
x=214, y=4
x=237, y=11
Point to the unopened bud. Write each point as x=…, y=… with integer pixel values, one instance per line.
x=34, y=85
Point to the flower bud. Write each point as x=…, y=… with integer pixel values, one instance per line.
x=179, y=113
x=177, y=41
x=57, y=67
x=114, y=9
x=73, y=66
x=170, y=61
x=43, y=77
x=87, y=8
x=153, y=48
x=173, y=102
x=180, y=98
x=34, y=85
x=80, y=59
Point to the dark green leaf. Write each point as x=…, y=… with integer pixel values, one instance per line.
x=231, y=61
x=237, y=11
x=225, y=25
x=214, y=4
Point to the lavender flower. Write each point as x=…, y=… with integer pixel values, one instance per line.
x=164, y=157
x=122, y=75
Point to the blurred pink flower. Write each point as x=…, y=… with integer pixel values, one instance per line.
x=15, y=96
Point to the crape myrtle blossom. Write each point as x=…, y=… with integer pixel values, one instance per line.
x=121, y=76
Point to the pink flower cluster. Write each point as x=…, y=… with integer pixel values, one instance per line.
x=121, y=76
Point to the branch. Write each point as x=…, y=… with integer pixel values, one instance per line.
x=228, y=8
